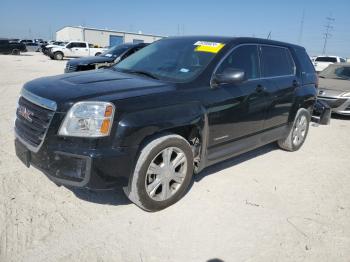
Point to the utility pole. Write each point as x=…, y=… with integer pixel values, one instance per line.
x=301, y=27
x=269, y=35
x=327, y=34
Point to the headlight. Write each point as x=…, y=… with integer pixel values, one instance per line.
x=88, y=119
x=346, y=94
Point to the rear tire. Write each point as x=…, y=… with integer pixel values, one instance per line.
x=162, y=173
x=58, y=56
x=97, y=54
x=298, y=133
x=15, y=52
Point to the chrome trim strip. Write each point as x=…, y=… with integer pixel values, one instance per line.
x=40, y=101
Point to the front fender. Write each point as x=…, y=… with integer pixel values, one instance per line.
x=134, y=127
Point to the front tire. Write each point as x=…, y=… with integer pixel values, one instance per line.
x=162, y=173
x=15, y=52
x=97, y=54
x=58, y=56
x=298, y=133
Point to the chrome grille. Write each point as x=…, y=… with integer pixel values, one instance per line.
x=32, y=122
x=70, y=68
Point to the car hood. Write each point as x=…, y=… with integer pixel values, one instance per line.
x=91, y=60
x=334, y=84
x=98, y=85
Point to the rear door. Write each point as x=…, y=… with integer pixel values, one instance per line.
x=80, y=49
x=278, y=68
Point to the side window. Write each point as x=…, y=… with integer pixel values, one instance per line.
x=245, y=58
x=81, y=45
x=276, y=61
x=304, y=60
x=342, y=60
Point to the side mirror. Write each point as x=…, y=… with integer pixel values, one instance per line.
x=229, y=76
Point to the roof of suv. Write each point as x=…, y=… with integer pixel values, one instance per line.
x=227, y=39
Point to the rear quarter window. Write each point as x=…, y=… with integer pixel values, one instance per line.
x=304, y=60
x=276, y=61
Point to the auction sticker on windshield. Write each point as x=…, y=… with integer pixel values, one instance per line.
x=211, y=47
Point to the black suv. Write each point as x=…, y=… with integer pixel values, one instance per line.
x=9, y=47
x=164, y=113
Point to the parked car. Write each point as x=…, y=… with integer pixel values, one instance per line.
x=75, y=49
x=322, y=62
x=26, y=41
x=33, y=47
x=8, y=47
x=106, y=59
x=168, y=111
x=46, y=48
x=334, y=87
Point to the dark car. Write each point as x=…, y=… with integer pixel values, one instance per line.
x=9, y=47
x=334, y=87
x=164, y=113
x=106, y=59
x=33, y=47
x=26, y=41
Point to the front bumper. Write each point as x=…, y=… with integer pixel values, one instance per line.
x=92, y=168
x=339, y=105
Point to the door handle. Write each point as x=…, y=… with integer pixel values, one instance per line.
x=296, y=83
x=260, y=88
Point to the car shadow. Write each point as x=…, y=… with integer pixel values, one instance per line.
x=114, y=196
x=235, y=161
x=340, y=117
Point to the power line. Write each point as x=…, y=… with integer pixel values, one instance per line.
x=327, y=34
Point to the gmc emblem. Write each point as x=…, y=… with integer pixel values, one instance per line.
x=25, y=113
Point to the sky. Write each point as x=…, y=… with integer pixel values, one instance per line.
x=41, y=19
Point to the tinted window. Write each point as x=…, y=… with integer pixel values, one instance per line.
x=343, y=72
x=244, y=58
x=304, y=61
x=342, y=60
x=3, y=42
x=326, y=59
x=276, y=61
x=116, y=51
x=77, y=45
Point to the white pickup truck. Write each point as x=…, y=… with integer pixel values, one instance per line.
x=322, y=62
x=75, y=49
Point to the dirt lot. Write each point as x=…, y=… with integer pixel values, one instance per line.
x=267, y=205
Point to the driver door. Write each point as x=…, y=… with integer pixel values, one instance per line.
x=240, y=108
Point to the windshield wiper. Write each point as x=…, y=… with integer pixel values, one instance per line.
x=140, y=72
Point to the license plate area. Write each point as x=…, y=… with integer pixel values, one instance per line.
x=22, y=153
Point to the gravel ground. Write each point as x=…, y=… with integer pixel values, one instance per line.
x=266, y=205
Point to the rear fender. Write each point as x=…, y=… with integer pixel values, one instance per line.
x=305, y=97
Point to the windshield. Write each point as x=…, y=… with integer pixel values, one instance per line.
x=336, y=72
x=116, y=51
x=176, y=60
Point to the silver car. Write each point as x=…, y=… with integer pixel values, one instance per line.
x=334, y=87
